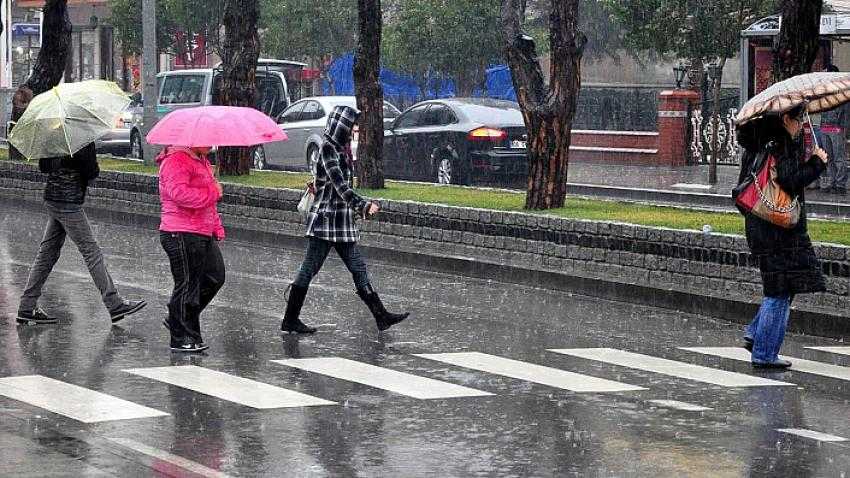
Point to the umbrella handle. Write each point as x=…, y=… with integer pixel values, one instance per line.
x=812, y=128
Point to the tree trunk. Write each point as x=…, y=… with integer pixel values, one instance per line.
x=548, y=112
x=52, y=58
x=370, y=95
x=239, y=69
x=798, y=38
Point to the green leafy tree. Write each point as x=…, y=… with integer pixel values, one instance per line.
x=436, y=38
x=177, y=23
x=702, y=32
x=307, y=29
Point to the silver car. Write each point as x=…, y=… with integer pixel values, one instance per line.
x=117, y=141
x=304, y=121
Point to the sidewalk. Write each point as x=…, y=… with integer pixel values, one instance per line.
x=685, y=179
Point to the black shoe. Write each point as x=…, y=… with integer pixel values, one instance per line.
x=778, y=365
x=383, y=319
x=748, y=344
x=35, y=317
x=127, y=307
x=291, y=322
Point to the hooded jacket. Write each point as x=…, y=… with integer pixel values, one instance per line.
x=188, y=193
x=332, y=217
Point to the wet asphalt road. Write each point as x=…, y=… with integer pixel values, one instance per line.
x=519, y=428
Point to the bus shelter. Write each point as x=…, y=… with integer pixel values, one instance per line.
x=759, y=40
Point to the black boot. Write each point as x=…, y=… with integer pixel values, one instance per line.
x=383, y=318
x=291, y=323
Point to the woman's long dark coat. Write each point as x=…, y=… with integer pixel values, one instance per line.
x=786, y=257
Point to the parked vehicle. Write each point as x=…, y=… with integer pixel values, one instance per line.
x=202, y=87
x=117, y=141
x=304, y=123
x=458, y=141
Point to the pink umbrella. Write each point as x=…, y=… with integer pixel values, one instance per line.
x=215, y=126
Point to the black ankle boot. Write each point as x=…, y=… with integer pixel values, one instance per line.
x=383, y=318
x=291, y=323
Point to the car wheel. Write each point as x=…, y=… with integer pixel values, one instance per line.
x=312, y=159
x=136, y=150
x=445, y=171
x=258, y=156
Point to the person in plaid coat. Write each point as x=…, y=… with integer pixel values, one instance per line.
x=332, y=224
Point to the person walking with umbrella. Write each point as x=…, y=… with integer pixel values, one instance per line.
x=190, y=229
x=190, y=226
x=66, y=154
x=770, y=128
x=332, y=225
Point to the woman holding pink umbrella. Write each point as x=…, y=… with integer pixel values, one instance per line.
x=190, y=226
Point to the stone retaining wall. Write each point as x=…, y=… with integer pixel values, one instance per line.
x=654, y=261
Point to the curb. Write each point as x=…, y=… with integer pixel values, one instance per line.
x=681, y=198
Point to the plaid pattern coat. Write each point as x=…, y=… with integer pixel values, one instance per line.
x=332, y=217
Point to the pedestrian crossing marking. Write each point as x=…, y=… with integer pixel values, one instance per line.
x=188, y=465
x=802, y=432
x=382, y=378
x=832, y=350
x=684, y=406
x=229, y=387
x=530, y=372
x=797, y=364
x=672, y=368
x=72, y=401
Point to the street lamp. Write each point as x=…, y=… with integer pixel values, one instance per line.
x=680, y=71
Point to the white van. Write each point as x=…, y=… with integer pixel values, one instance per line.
x=202, y=87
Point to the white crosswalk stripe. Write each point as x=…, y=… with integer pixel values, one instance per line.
x=72, y=401
x=382, y=378
x=802, y=432
x=833, y=350
x=797, y=364
x=530, y=372
x=684, y=406
x=672, y=368
x=228, y=387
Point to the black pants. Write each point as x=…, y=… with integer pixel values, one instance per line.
x=317, y=252
x=198, y=270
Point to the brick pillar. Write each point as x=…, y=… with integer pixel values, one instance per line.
x=672, y=125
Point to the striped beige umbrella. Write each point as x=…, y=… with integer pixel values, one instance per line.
x=820, y=91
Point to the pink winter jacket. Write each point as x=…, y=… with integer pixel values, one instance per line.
x=188, y=193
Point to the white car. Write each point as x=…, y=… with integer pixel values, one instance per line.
x=304, y=121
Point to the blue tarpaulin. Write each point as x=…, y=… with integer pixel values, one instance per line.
x=402, y=90
x=500, y=83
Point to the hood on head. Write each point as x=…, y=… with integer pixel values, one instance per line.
x=341, y=122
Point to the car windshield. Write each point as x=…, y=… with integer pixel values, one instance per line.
x=492, y=112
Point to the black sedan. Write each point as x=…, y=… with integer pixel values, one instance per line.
x=458, y=141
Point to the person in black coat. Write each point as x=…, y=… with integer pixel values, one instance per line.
x=786, y=257
x=68, y=179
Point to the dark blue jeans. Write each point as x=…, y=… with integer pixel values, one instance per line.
x=768, y=328
x=317, y=252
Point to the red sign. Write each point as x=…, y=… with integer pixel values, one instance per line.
x=192, y=53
